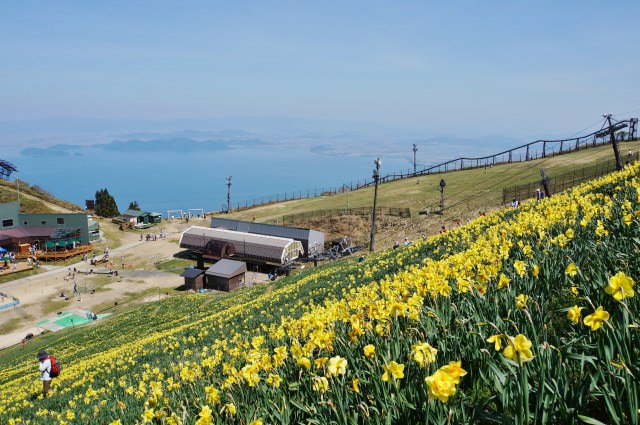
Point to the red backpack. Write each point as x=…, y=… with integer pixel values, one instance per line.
x=55, y=367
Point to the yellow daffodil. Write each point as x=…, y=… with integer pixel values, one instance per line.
x=520, y=267
x=442, y=384
x=355, y=385
x=518, y=349
x=320, y=384
x=503, y=281
x=521, y=300
x=423, y=353
x=571, y=270
x=535, y=270
x=393, y=371
x=369, y=351
x=204, y=417
x=596, y=319
x=620, y=286
x=337, y=366
x=496, y=340
x=574, y=313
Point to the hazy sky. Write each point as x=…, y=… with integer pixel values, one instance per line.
x=508, y=67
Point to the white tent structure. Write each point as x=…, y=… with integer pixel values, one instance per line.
x=268, y=249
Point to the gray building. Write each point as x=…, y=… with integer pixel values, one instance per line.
x=312, y=241
x=19, y=228
x=226, y=275
x=257, y=249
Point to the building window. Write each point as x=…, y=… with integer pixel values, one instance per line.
x=7, y=222
x=43, y=222
x=25, y=223
x=60, y=220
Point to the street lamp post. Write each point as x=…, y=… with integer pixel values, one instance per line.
x=376, y=177
x=228, y=194
x=441, y=189
x=415, y=149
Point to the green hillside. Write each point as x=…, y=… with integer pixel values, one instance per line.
x=33, y=199
x=527, y=315
x=467, y=192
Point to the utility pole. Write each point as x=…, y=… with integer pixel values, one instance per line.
x=228, y=194
x=376, y=177
x=545, y=183
x=614, y=142
x=441, y=189
x=415, y=149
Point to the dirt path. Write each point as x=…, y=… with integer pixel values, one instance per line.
x=138, y=281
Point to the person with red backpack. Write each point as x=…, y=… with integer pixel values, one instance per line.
x=49, y=368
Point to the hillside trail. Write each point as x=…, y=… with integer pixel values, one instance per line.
x=138, y=281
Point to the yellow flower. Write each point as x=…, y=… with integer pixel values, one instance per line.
x=212, y=395
x=535, y=271
x=423, y=353
x=231, y=408
x=304, y=362
x=518, y=349
x=256, y=422
x=355, y=385
x=504, y=281
x=393, y=370
x=116, y=422
x=205, y=416
x=148, y=416
x=454, y=370
x=520, y=267
x=442, y=384
x=620, y=286
x=496, y=340
x=274, y=380
x=337, y=366
x=571, y=270
x=600, y=230
x=575, y=290
x=369, y=351
x=521, y=300
x=574, y=313
x=596, y=319
x=320, y=384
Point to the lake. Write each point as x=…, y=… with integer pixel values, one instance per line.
x=162, y=181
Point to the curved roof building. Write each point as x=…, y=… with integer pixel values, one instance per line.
x=248, y=246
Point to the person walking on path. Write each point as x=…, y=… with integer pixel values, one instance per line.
x=45, y=371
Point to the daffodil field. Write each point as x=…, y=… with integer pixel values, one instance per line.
x=524, y=316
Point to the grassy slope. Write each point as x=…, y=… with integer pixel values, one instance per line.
x=467, y=192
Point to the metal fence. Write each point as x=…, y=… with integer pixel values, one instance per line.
x=360, y=211
x=530, y=151
x=562, y=182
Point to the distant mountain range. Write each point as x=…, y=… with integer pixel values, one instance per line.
x=175, y=144
x=68, y=136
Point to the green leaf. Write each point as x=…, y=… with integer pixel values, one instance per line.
x=589, y=420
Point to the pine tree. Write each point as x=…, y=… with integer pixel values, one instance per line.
x=134, y=206
x=105, y=204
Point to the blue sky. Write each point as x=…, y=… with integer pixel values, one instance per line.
x=516, y=68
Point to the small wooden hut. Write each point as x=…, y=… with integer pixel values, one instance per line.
x=226, y=275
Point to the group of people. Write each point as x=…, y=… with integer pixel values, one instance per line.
x=153, y=237
x=396, y=244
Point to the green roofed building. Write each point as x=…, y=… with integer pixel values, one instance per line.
x=59, y=229
x=137, y=218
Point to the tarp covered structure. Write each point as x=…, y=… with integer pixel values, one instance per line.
x=269, y=249
x=312, y=240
